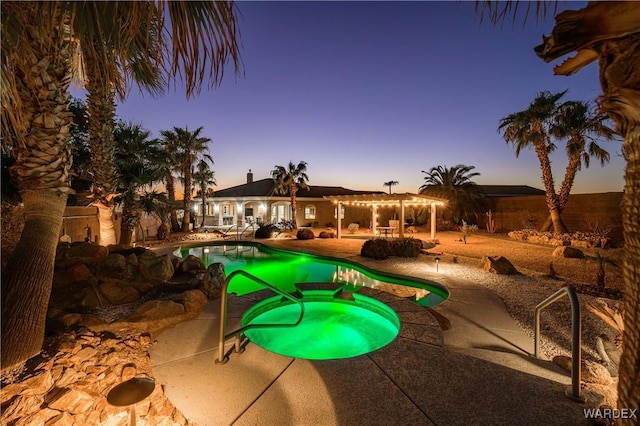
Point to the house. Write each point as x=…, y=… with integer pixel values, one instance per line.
x=257, y=201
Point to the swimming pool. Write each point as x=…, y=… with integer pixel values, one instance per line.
x=285, y=268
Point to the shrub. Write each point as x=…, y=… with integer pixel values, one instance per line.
x=377, y=248
x=466, y=230
x=305, y=234
x=265, y=231
x=326, y=234
x=406, y=247
x=353, y=227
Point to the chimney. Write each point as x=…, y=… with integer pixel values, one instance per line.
x=249, y=177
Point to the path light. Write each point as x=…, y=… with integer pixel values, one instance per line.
x=437, y=259
x=131, y=392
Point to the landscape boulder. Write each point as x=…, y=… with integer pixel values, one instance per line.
x=114, y=266
x=156, y=268
x=213, y=280
x=191, y=263
x=591, y=372
x=498, y=265
x=192, y=300
x=118, y=292
x=569, y=252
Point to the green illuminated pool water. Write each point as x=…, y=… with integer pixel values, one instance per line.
x=330, y=328
x=285, y=268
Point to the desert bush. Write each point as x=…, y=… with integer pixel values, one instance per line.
x=326, y=234
x=353, y=227
x=406, y=247
x=305, y=234
x=265, y=231
x=466, y=230
x=377, y=248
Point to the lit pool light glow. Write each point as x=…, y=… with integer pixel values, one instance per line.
x=331, y=328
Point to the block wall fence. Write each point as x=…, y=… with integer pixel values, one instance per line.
x=582, y=212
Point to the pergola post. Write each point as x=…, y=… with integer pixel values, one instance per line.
x=433, y=220
x=374, y=219
x=401, y=230
x=339, y=217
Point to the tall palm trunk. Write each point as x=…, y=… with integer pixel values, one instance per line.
x=551, y=196
x=203, y=190
x=171, y=195
x=294, y=208
x=27, y=279
x=565, y=188
x=42, y=173
x=128, y=223
x=101, y=110
x=620, y=79
x=186, y=203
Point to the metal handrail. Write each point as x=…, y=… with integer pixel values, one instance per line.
x=576, y=327
x=238, y=333
x=245, y=230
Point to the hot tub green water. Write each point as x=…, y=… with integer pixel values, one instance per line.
x=330, y=328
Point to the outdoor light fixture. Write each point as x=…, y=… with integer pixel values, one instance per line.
x=437, y=259
x=206, y=250
x=131, y=392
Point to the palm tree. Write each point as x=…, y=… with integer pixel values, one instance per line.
x=577, y=122
x=102, y=89
x=456, y=185
x=530, y=128
x=290, y=180
x=390, y=184
x=157, y=204
x=135, y=168
x=39, y=40
x=166, y=161
x=204, y=177
x=190, y=147
x=608, y=32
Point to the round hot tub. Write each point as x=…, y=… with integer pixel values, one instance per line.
x=331, y=327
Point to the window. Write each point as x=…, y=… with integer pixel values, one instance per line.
x=335, y=212
x=310, y=211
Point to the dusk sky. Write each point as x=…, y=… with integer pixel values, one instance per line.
x=367, y=92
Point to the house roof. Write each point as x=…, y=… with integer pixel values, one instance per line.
x=266, y=188
x=509, y=190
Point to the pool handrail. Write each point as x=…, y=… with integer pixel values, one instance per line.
x=238, y=333
x=576, y=332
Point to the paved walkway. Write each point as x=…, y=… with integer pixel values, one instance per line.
x=464, y=362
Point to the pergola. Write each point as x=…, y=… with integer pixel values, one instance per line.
x=377, y=200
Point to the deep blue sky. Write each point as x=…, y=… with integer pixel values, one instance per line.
x=367, y=92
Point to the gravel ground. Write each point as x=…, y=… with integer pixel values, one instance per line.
x=522, y=293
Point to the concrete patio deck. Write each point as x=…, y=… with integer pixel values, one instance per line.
x=478, y=370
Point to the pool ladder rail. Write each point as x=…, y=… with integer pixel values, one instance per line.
x=223, y=336
x=576, y=332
